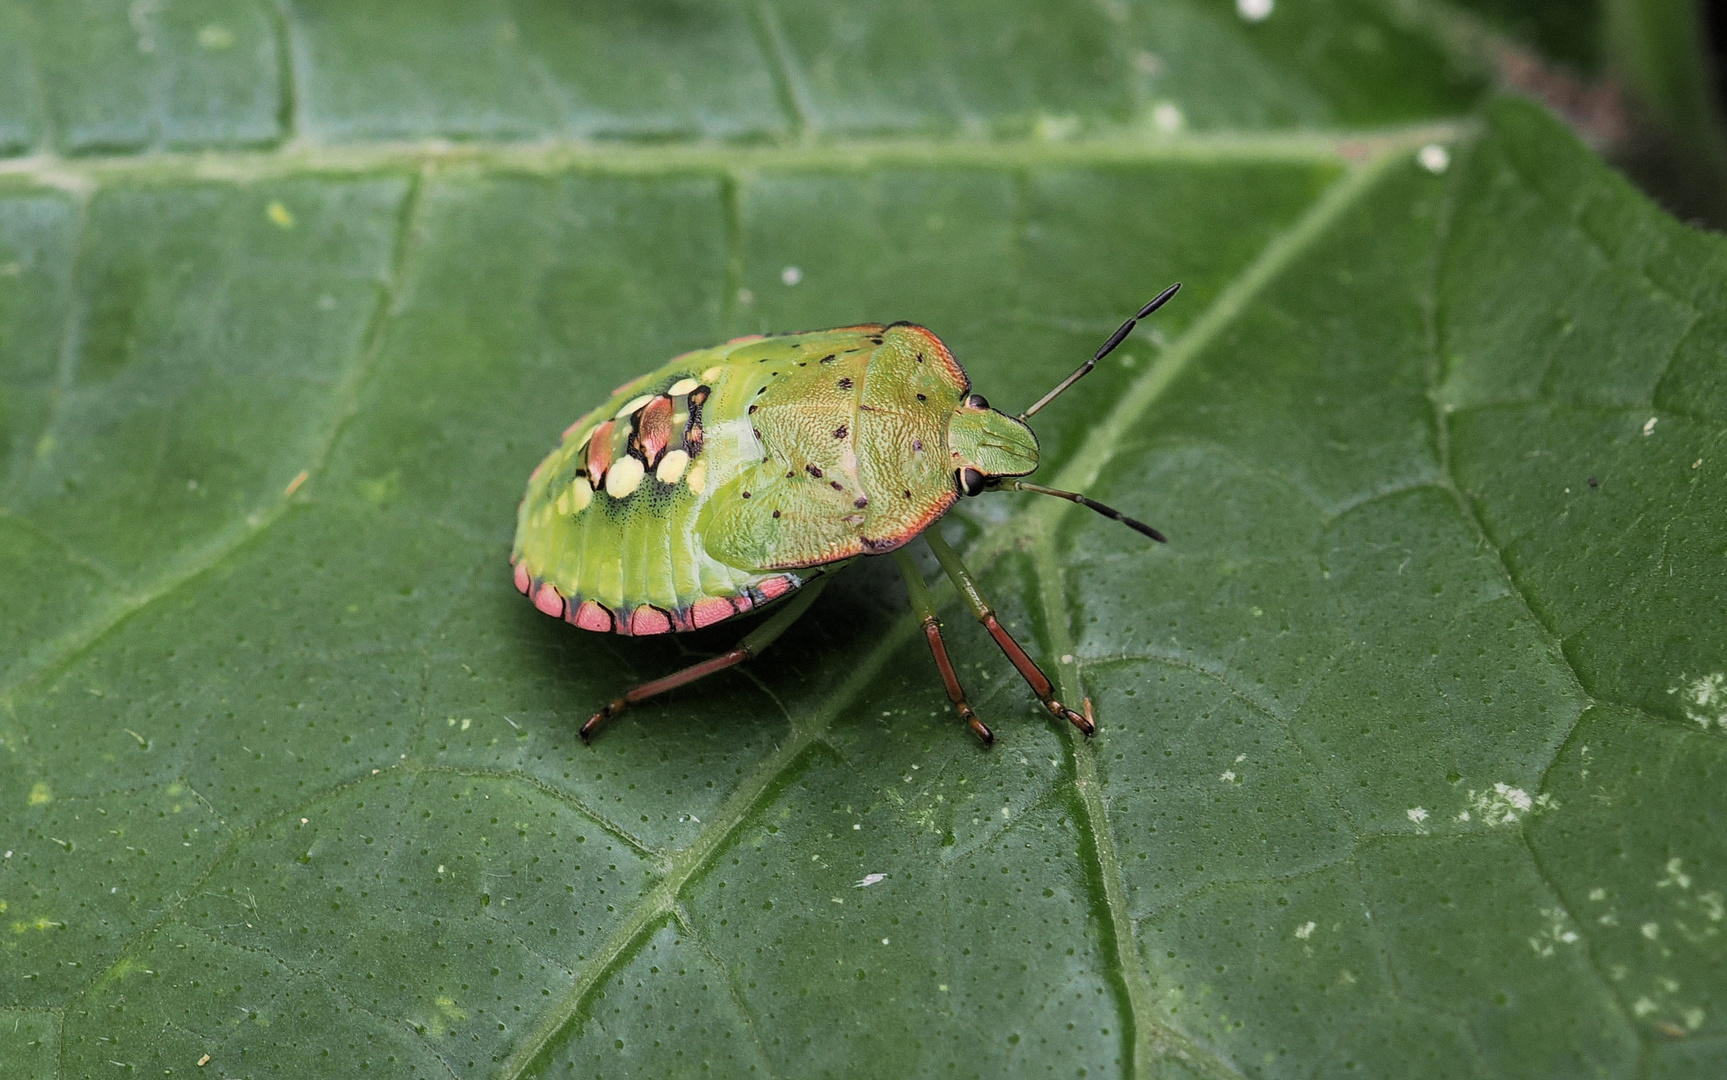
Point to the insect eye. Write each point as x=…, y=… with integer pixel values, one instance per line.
x=969, y=481
x=976, y=401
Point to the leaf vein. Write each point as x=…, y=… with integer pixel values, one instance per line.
x=64, y=650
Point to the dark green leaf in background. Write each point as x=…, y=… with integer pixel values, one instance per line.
x=1411, y=742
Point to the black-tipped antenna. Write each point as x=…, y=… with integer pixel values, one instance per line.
x=1115, y=339
x=1091, y=504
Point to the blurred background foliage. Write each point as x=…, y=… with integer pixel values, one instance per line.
x=1660, y=65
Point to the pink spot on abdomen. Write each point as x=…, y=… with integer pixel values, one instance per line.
x=600, y=454
x=523, y=582
x=654, y=428
x=710, y=610
x=592, y=615
x=746, y=337
x=549, y=601
x=650, y=620
x=776, y=587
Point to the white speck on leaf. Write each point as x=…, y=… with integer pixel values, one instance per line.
x=1651, y=930
x=1505, y=805
x=1649, y=425
x=791, y=275
x=1305, y=930
x=1254, y=10
x=1705, y=700
x=1167, y=118
x=1675, y=875
x=1557, y=932
x=868, y=880
x=1434, y=158
x=1228, y=776
x=1417, y=814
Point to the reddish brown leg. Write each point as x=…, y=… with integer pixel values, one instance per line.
x=752, y=645
x=955, y=693
x=924, y=607
x=1034, y=676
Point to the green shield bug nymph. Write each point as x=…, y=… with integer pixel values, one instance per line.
x=739, y=476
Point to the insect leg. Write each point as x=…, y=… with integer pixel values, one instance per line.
x=1034, y=676
x=752, y=645
x=924, y=608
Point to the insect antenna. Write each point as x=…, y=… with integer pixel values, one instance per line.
x=1115, y=339
x=1090, y=504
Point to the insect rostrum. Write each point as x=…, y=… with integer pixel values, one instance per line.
x=741, y=475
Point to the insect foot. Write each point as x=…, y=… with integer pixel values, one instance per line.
x=1085, y=723
x=613, y=708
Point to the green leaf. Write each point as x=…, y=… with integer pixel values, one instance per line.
x=1411, y=742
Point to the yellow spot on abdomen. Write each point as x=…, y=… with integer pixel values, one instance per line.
x=672, y=467
x=711, y=374
x=39, y=794
x=577, y=497
x=698, y=477
x=624, y=477
x=631, y=406
x=280, y=214
x=682, y=387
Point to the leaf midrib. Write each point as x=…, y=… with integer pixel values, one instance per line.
x=80, y=173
